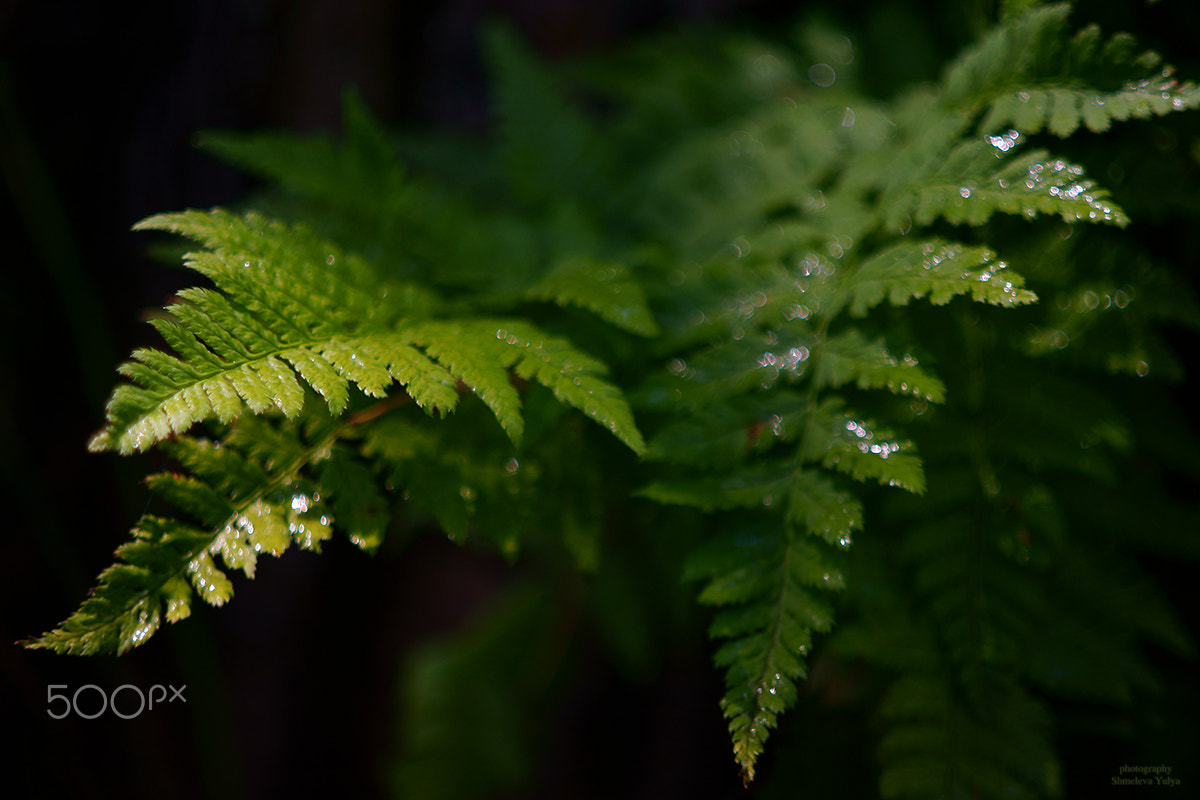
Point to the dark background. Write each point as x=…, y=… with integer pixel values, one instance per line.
x=290, y=690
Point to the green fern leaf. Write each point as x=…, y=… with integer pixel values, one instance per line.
x=965, y=190
x=473, y=355
x=938, y=269
x=848, y=357
x=126, y=608
x=247, y=499
x=768, y=575
x=196, y=497
x=479, y=351
x=1063, y=110
x=861, y=450
x=822, y=509
x=753, y=487
x=544, y=139
x=363, y=174
x=572, y=376
x=603, y=288
x=286, y=303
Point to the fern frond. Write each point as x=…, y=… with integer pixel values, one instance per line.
x=1032, y=184
x=547, y=147
x=752, y=487
x=362, y=173
x=942, y=745
x=768, y=575
x=937, y=269
x=478, y=696
x=861, y=450
x=290, y=307
x=126, y=608
x=1063, y=109
x=286, y=303
x=849, y=358
x=472, y=355
x=1028, y=79
x=606, y=289
x=245, y=499
x=1009, y=52
x=478, y=352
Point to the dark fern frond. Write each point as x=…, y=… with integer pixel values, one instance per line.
x=361, y=174
x=1029, y=80
x=849, y=358
x=940, y=744
x=748, y=488
x=547, y=148
x=765, y=577
x=603, y=288
x=477, y=697
x=1032, y=184
x=772, y=372
x=938, y=269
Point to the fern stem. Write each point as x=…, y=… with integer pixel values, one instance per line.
x=400, y=398
x=976, y=390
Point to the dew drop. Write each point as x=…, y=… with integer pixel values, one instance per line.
x=822, y=75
